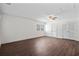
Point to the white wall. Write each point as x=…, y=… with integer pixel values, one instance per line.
x=18, y=28
x=1, y=12
x=63, y=29
x=0, y=29
x=77, y=30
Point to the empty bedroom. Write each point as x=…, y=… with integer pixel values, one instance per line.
x=39, y=29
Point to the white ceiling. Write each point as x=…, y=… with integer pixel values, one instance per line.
x=65, y=11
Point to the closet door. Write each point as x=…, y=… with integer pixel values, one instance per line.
x=59, y=30
x=65, y=31
x=54, y=29
x=71, y=30
x=68, y=30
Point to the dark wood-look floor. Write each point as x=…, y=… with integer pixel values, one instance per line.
x=43, y=46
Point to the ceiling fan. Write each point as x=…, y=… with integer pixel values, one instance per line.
x=51, y=18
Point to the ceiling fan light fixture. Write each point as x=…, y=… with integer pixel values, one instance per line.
x=52, y=17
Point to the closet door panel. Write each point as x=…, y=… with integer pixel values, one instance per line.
x=68, y=31
x=59, y=30
x=54, y=30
